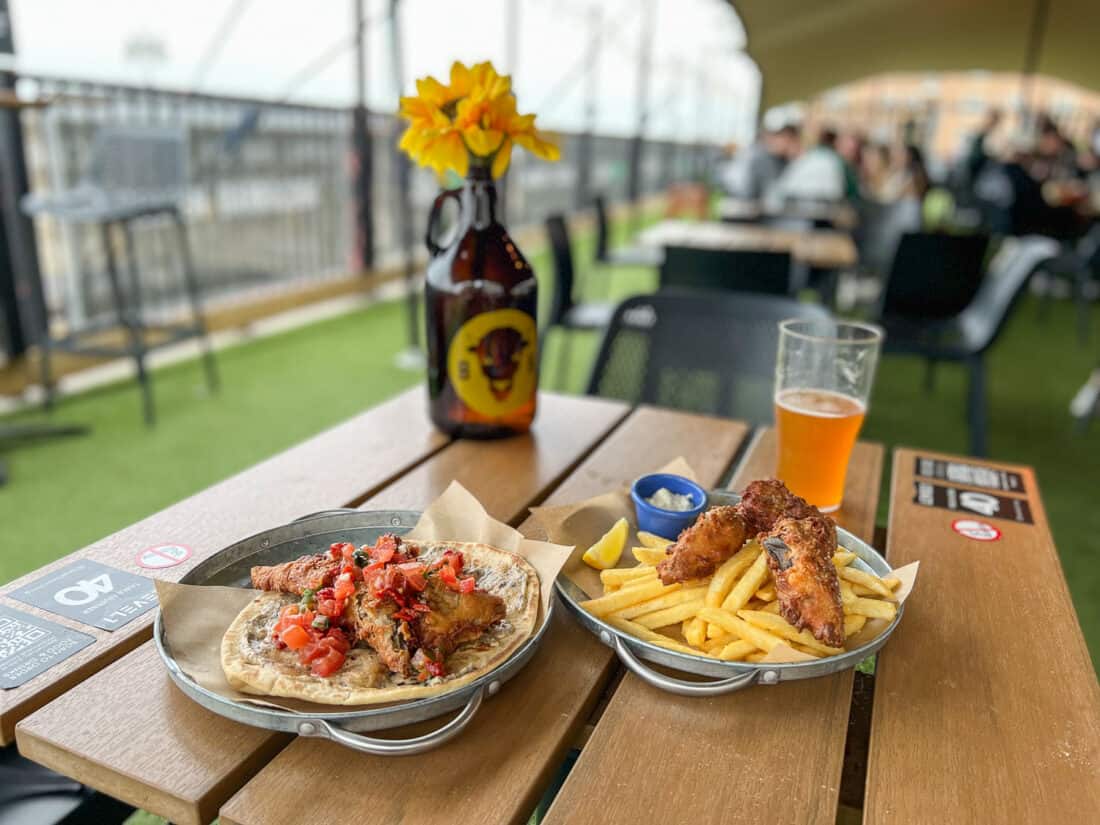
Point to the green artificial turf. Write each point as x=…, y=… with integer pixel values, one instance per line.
x=277, y=391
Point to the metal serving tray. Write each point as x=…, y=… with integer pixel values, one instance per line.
x=731, y=676
x=314, y=534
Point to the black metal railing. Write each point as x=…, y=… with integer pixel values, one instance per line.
x=269, y=193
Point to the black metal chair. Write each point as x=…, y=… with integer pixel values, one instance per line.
x=967, y=336
x=703, y=351
x=565, y=313
x=624, y=256
x=734, y=270
x=933, y=276
x=136, y=173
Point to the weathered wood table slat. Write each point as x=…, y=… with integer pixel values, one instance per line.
x=716, y=759
x=338, y=467
x=203, y=758
x=500, y=766
x=986, y=705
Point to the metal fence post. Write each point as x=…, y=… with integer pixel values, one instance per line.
x=591, y=103
x=645, y=55
x=22, y=298
x=362, y=153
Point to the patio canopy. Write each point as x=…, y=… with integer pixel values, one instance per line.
x=804, y=48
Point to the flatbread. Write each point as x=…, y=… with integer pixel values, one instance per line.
x=253, y=664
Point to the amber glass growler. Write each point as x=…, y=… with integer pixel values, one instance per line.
x=481, y=302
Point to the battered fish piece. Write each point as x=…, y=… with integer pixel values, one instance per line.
x=313, y=572
x=800, y=556
x=716, y=535
x=455, y=618
x=391, y=638
x=765, y=502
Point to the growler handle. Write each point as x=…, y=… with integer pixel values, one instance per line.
x=433, y=218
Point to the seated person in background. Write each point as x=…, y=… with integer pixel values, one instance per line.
x=756, y=168
x=817, y=175
x=873, y=170
x=977, y=152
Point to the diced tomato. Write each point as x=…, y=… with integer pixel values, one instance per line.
x=294, y=637
x=329, y=607
x=467, y=585
x=328, y=664
x=448, y=577
x=416, y=580
x=421, y=607
x=345, y=587
x=293, y=616
x=339, y=639
x=382, y=553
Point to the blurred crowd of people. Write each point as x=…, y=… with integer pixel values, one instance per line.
x=1017, y=184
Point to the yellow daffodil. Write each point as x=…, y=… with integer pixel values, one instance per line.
x=474, y=116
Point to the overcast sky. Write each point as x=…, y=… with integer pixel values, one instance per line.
x=697, y=46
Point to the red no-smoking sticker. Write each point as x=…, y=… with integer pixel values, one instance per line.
x=163, y=555
x=974, y=529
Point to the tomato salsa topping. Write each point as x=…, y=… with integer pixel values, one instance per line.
x=320, y=628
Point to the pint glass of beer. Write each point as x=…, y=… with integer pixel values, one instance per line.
x=822, y=387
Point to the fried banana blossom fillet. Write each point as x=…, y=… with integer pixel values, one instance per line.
x=719, y=532
x=800, y=555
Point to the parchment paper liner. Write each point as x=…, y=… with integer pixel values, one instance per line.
x=195, y=617
x=582, y=523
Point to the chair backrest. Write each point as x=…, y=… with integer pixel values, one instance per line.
x=603, y=229
x=933, y=276
x=708, y=352
x=736, y=270
x=140, y=161
x=1009, y=273
x=564, y=276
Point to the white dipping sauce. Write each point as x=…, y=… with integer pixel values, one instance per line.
x=668, y=500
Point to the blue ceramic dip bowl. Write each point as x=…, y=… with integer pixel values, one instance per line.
x=666, y=523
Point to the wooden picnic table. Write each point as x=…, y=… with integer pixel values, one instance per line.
x=748, y=210
x=985, y=704
x=822, y=248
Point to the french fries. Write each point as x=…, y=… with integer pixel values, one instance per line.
x=724, y=577
x=678, y=596
x=654, y=541
x=624, y=575
x=647, y=555
x=872, y=609
x=865, y=580
x=755, y=576
x=671, y=615
x=626, y=597
x=734, y=614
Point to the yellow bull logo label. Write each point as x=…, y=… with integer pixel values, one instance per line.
x=493, y=361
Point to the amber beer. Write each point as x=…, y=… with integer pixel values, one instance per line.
x=823, y=378
x=817, y=429
x=481, y=300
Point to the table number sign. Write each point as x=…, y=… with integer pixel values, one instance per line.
x=975, y=475
x=92, y=593
x=955, y=499
x=30, y=645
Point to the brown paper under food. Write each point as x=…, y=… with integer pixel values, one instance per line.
x=581, y=524
x=195, y=617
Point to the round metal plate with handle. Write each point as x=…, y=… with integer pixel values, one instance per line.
x=682, y=686
x=322, y=729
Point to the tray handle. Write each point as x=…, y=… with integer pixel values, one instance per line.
x=399, y=747
x=682, y=686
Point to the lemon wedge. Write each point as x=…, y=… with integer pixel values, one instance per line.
x=653, y=540
x=605, y=552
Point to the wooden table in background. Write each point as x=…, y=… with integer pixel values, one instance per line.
x=746, y=210
x=985, y=707
x=822, y=248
